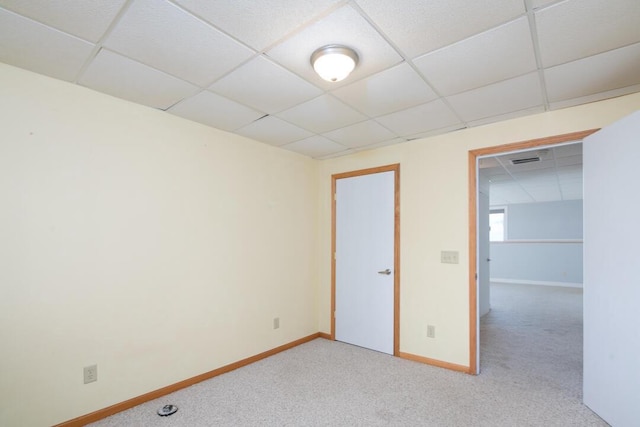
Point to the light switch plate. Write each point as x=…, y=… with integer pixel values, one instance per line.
x=449, y=257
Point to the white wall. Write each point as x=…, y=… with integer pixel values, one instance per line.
x=544, y=258
x=155, y=247
x=434, y=217
x=545, y=220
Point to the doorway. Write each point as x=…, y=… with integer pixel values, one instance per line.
x=474, y=262
x=366, y=258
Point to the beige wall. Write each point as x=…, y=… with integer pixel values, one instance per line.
x=434, y=217
x=155, y=247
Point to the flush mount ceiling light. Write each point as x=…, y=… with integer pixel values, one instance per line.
x=334, y=62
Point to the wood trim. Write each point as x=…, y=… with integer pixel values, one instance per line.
x=473, y=266
x=128, y=404
x=395, y=168
x=325, y=336
x=334, y=178
x=533, y=143
x=473, y=156
x=435, y=362
x=388, y=168
x=396, y=264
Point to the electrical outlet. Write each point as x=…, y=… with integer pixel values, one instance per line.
x=449, y=257
x=431, y=331
x=90, y=374
x=276, y=322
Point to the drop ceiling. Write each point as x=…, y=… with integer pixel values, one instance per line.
x=426, y=67
x=518, y=177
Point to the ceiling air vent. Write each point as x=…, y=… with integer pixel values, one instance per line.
x=523, y=160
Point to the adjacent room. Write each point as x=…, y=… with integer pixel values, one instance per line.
x=175, y=177
x=531, y=263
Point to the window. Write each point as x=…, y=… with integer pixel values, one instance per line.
x=498, y=224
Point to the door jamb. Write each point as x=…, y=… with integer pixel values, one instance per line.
x=395, y=168
x=473, y=188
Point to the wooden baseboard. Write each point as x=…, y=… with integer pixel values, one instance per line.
x=324, y=335
x=435, y=362
x=128, y=404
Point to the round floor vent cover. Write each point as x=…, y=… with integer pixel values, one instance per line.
x=167, y=410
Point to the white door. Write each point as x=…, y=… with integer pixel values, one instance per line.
x=611, y=279
x=484, y=248
x=364, y=295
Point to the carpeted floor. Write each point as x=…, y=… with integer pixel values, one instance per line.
x=531, y=363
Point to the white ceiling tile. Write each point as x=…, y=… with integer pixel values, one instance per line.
x=571, y=182
x=360, y=134
x=497, y=201
x=214, y=110
x=569, y=172
x=338, y=154
x=36, y=47
x=571, y=187
x=258, y=23
x=567, y=150
x=315, y=147
x=569, y=160
x=537, y=170
x=508, y=191
x=420, y=119
x=544, y=181
x=518, y=197
x=536, y=176
x=435, y=132
x=391, y=90
x=159, y=34
x=498, y=54
x=594, y=98
x=419, y=26
x=575, y=29
x=345, y=27
x=500, y=177
x=322, y=114
x=394, y=141
x=87, y=19
x=273, y=131
x=600, y=73
x=119, y=76
x=507, y=116
x=543, y=153
x=516, y=94
x=265, y=86
x=532, y=187
x=545, y=194
x=488, y=163
x=537, y=4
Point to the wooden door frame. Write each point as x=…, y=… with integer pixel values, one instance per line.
x=473, y=236
x=395, y=168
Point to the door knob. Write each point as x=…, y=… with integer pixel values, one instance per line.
x=385, y=272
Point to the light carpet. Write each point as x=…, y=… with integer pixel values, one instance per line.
x=531, y=363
